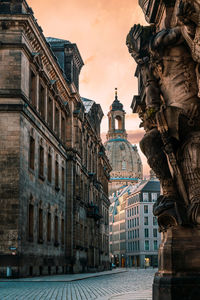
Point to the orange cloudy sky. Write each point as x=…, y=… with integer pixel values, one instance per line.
x=99, y=28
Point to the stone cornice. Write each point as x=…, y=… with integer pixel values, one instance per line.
x=36, y=43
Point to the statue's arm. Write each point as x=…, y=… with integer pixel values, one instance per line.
x=166, y=38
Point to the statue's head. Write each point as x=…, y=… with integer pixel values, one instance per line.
x=138, y=40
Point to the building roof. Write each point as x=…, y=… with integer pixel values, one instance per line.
x=56, y=40
x=87, y=103
x=151, y=185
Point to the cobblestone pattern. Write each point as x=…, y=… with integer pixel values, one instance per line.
x=135, y=282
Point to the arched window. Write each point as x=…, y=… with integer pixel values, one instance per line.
x=118, y=123
x=124, y=165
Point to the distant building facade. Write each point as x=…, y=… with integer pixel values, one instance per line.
x=54, y=170
x=142, y=236
x=124, y=157
x=134, y=236
x=117, y=223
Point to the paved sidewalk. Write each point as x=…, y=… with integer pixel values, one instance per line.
x=66, y=277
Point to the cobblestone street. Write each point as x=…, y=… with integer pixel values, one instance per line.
x=130, y=285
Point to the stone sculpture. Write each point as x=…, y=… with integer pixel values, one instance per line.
x=169, y=63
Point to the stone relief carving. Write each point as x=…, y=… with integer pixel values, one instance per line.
x=168, y=62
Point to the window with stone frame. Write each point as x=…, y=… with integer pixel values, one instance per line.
x=48, y=227
x=50, y=112
x=49, y=167
x=155, y=245
x=33, y=88
x=41, y=105
x=146, y=221
x=146, y=232
x=56, y=231
x=146, y=245
x=41, y=162
x=40, y=225
x=146, y=209
x=56, y=174
x=63, y=180
x=155, y=232
x=145, y=197
x=154, y=197
x=30, y=222
x=63, y=124
x=62, y=231
x=57, y=118
x=32, y=153
x=155, y=222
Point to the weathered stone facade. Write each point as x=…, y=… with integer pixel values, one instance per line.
x=54, y=171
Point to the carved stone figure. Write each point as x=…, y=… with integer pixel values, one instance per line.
x=168, y=62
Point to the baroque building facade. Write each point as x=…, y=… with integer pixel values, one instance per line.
x=124, y=157
x=54, y=170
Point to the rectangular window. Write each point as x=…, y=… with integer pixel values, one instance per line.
x=137, y=209
x=138, y=233
x=63, y=129
x=145, y=197
x=62, y=231
x=40, y=226
x=56, y=231
x=50, y=113
x=138, y=245
x=32, y=153
x=42, y=101
x=155, y=232
x=49, y=167
x=49, y=227
x=56, y=175
x=137, y=221
x=33, y=88
x=57, y=120
x=41, y=162
x=30, y=222
x=146, y=245
x=154, y=197
x=63, y=180
x=155, y=221
x=133, y=234
x=146, y=221
x=146, y=232
x=155, y=245
x=146, y=209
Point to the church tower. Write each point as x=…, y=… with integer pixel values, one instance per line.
x=116, y=120
x=124, y=157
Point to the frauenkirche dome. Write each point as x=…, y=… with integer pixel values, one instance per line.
x=124, y=157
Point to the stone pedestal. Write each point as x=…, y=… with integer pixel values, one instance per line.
x=179, y=265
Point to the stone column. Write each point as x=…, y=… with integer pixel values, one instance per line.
x=178, y=276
